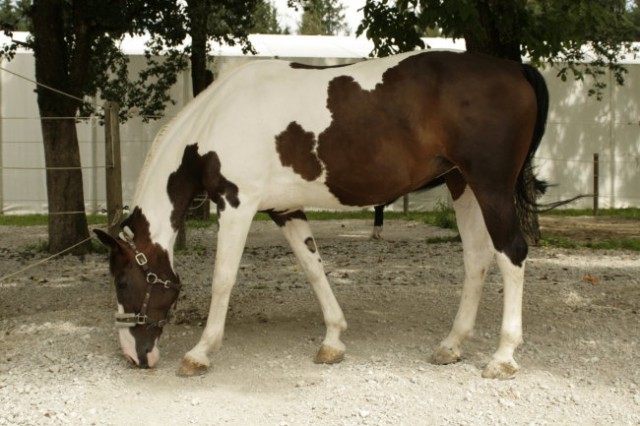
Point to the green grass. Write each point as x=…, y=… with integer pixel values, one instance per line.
x=621, y=244
x=608, y=244
x=442, y=216
x=628, y=213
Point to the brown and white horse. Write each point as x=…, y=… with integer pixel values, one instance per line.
x=277, y=136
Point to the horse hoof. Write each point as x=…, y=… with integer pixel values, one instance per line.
x=328, y=355
x=190, y=368
x=444, y=355
x=500, y=370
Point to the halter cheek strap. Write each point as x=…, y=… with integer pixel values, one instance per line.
x=131, y=319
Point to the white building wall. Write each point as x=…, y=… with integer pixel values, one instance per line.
x=578, y=127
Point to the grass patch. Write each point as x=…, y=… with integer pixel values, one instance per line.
x=608, y=244
x=628, y=213
x=621, y=244
x=442, y=216
x=556, y=241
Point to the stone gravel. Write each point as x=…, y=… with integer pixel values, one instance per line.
x=60, y=362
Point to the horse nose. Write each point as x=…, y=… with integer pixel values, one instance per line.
x=143, y=358
x=143, y=363
x=148, y=357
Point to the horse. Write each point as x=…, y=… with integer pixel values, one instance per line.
x=277, y=137
x=378, y=211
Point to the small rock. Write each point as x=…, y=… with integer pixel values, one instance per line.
x=363, y=413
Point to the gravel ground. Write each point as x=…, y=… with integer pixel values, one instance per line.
x=60, y=361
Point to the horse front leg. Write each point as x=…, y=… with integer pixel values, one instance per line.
x=232, y=236
x=296, y=229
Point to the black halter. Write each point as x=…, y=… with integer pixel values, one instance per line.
x=130, y=319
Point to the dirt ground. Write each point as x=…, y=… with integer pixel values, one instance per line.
x=60, y=361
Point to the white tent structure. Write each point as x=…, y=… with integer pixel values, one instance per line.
x=578, y=127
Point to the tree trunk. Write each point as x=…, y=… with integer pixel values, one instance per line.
x=67, y=218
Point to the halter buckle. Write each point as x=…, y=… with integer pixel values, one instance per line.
x=141, y=319
x=141, y=259
x=128, y=320
x=124, y=320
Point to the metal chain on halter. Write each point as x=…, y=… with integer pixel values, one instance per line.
x=131, y=319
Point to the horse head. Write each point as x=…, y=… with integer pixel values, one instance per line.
x=146, y=288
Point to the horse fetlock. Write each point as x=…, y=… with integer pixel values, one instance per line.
x=502, y=370
x=329, y=355
x=446, y=355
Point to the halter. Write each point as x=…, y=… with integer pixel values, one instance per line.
x=127, y=320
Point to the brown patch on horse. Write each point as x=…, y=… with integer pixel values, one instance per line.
x=195, y=173
x=455, y=183
x=381, y=143
x=311, y=245
x=281, y=218
x=157, y=256
x=295, y=147
x=130, y=281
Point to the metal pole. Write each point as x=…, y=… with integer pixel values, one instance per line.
x=405, y=204
x=596, y=186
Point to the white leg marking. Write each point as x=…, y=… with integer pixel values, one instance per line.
x=377, y=233
x=478, y=254
x=232, y=236
x=502, y=364
x=298, y=234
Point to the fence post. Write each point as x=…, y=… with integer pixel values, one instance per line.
x=596, y=185
x=113, y=169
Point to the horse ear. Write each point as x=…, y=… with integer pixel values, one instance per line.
x=107, y=239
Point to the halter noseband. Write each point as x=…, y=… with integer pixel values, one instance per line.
x=127, y=320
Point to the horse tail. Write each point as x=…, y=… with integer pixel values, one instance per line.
x=525, y=177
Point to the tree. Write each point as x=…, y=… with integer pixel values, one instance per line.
x=634, y=17
x=322, y=17
x=12, y=15
x=265, y=19
x=75, y=49
x=554, y=31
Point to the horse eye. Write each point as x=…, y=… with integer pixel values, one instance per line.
x=121, y=285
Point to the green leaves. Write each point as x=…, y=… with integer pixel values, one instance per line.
x=102, y=24
x=582, y=37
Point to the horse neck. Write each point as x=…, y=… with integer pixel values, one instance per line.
x=152, y=197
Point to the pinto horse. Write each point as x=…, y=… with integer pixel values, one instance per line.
x=278, y=136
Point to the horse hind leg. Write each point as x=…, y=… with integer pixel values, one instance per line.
x=511, y=253
x=489, y=229
x=478, y=254
x=296, y=229
x=378, y=222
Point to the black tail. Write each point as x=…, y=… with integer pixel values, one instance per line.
x=524, y=178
